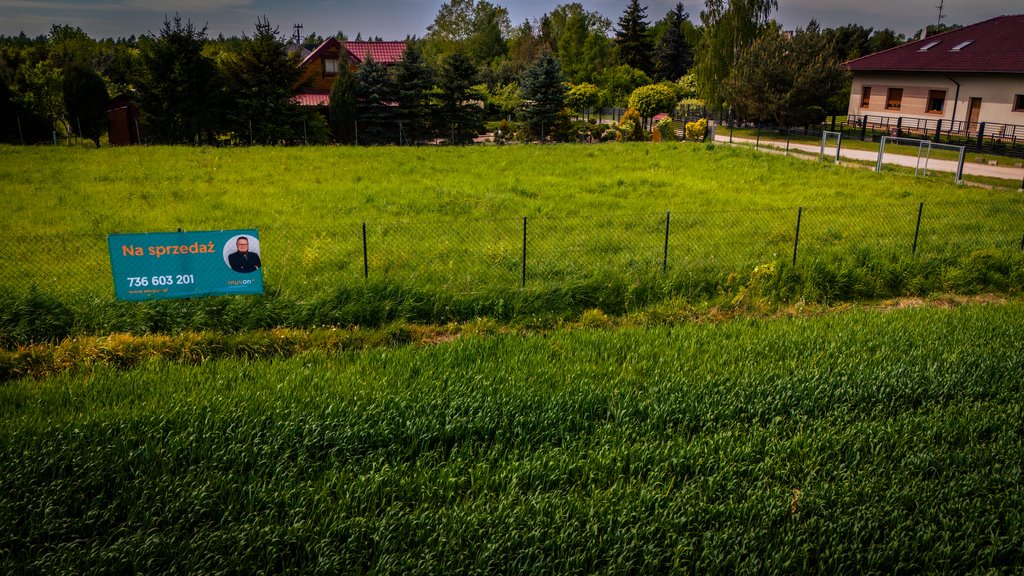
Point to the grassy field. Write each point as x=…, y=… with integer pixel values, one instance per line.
x=623, y=412
x=445, y=232
x=856, y=443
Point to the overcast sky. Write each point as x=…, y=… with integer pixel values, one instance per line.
x=396, y=19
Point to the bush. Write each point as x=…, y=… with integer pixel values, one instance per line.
x=664, y=131
x=696, y=130
x=631, y=127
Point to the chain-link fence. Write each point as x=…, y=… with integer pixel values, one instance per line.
x=542, y=251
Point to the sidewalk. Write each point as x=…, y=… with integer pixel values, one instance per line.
x=974, y=169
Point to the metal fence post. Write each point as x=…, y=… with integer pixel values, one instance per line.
x=366, y=261
x=789, y=133
x=796, y=241
x=664, y=262
x=917, y=230
x=757, y=142
x=524, y=253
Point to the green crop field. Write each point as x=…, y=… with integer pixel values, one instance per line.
x=616, y=227
x=862, y=442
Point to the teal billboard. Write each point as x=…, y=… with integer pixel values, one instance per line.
x=164, y=265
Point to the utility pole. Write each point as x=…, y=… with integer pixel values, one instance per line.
x=297, y=34
x=941, y=15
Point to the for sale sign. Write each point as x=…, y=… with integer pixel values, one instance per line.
x=163, y=265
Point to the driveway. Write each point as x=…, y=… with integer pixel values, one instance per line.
x=971, y=168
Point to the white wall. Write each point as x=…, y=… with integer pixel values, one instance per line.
x=997, y=93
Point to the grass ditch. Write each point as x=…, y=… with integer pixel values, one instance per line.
x=35, y=316
x=126, y=351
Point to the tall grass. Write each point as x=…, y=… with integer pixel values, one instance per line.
x=849, y=444
x=444, y=230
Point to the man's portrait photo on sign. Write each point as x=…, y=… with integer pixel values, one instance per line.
x=242, y=254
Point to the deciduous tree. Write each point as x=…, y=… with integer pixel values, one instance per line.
x=582, y=96
x=729, y=27
x=85, y=99
x=341, y=111
x=652, y=99
x=785, y=81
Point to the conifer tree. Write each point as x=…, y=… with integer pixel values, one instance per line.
x=674, y=56
x=543, y=89
x=413, y=82
x=262, y=77
x=458, y=115
x=180, y=88
x=374, y=99
x=632, y=38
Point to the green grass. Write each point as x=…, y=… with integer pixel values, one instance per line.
x=445, y=225
x=856, y=443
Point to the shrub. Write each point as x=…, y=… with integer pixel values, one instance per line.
x=631, y=127
x=696, y=130
x=664, y=130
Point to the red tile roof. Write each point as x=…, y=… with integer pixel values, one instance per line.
x=381, y=52
x=312, y=99
x=992, y=46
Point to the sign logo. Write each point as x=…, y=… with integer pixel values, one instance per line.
x=164, y=265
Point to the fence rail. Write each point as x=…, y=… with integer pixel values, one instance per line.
x=986, y=137
x=542, y=251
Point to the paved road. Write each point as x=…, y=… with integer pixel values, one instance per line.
x=975, y=169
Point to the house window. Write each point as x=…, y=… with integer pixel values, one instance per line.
x=330, y=67
x=1018, y=103
x=936, y=101
x=895, y=99
x=865, y=96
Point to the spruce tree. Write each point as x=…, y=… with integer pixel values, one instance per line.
x=543, y=89
x=674, y=56
x=180, y=89
x=632, y=38
x=413, y=82
x=262, y=77
x=374, y=104
x=458, y=115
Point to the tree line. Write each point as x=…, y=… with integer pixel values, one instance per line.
x=472, y=66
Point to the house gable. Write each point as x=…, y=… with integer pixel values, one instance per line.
x=320, y=67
